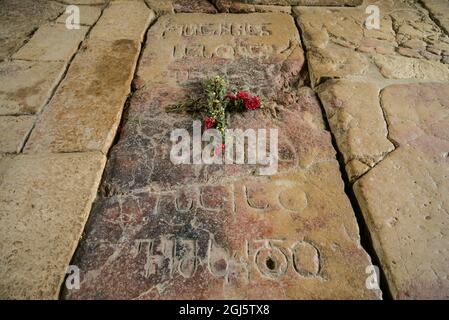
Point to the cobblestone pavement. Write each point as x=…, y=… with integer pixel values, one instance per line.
x=363, y=127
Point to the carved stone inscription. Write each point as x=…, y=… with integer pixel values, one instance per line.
x=165, y=231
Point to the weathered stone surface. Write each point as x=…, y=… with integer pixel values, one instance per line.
x=252, y=5
x=356, y=119
x=239, y=7
x=202, y=6
x=408, y=45
x=25, y=87
x=86, y=109
x=88, y=15
x=20, y=18
x=161, y=6
x=163, y=231
x=115, y=23
x=86, y=2
x=439, y=9
x=14, y=132
x=404, y=197
x=52, y=42
x=45, y=201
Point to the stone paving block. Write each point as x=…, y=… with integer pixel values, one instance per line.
x=19, y=19
x=88, y=15
x=161, y=231
x=356, y=119
x=115, y=23
x=85, y=110
x=14, y=130
x=394, y=142
x=52, y=42
x=45, y=201
x=25, y=86
x=408, y=45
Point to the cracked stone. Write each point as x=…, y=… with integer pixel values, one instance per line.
x=161, y=231
x=14, y=132
x=356, y=119
x=440, y=10
x=39, y=232
x=410, y=187
x=340, y=46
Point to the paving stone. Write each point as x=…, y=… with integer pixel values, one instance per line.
x=356, y=119
x=402, y=188
x=161, y=231
x=14, y=132
x=115, y=23
x=45, y=201
x=25, y=86
x=439, y=9
x=52, y=42
x=85, y=110
x=408, y=45
x=88, y=15
x=20, y=18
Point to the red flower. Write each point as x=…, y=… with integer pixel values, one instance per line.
x=243, y=95
x=252, y=103
x=209, y=123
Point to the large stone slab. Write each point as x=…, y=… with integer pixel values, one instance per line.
x=408, y=45
x=20, y=18
x=52, y=42
x=404, y=197
x=394, y=142
x=45, y=201
x=25, y=86
x=357, y=121
x=14, y=130
x=165, y=231
x=86, y=109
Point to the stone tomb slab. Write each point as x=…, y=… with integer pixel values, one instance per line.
x=164, y=231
